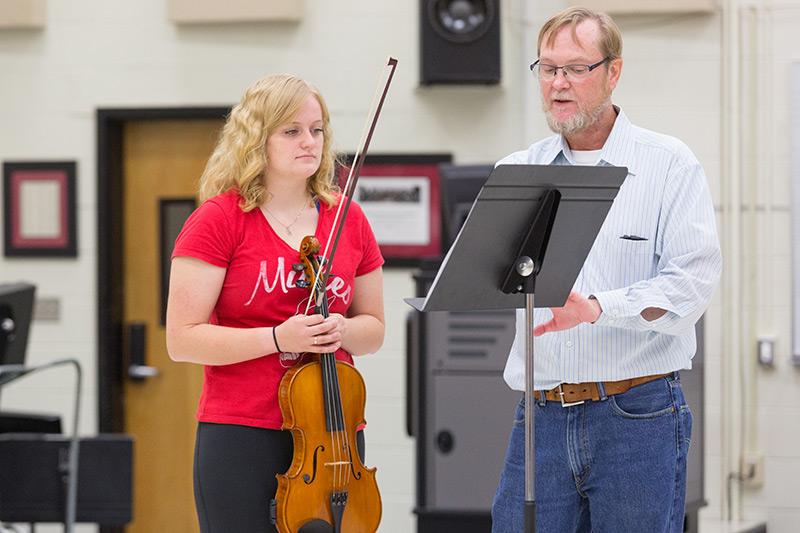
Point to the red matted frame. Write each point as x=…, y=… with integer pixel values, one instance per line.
x=420, y=176
x=39, y=218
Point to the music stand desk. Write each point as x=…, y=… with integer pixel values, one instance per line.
x=501, y=228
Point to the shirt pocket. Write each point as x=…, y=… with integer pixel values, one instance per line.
x=628, y=258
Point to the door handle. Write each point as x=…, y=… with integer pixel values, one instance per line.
x=137, y=365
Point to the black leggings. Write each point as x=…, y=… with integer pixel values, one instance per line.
x=234, y=475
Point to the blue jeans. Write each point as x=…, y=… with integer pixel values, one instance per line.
x=617, y=465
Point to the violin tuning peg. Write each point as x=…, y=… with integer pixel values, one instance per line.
x=303, y=284
x=297, y=267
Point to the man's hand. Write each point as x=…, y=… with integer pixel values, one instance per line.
x=576, y=310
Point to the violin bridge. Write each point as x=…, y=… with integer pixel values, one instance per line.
x=337, y=463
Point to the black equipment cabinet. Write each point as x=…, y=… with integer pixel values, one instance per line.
x=33, y=478
x=460, y=411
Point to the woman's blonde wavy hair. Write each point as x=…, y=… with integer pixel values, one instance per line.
x=239, y=160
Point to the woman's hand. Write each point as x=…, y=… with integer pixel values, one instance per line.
x=311, y=333
x=338, y=324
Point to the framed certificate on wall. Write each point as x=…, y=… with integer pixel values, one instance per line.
x=400, y=195
x=39, y=217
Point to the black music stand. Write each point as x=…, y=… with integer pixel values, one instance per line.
x=9, y=373
x=524, y=214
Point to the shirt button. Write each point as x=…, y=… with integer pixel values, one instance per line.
x=569, y=344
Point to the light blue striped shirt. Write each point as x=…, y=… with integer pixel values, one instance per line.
x=673, y=262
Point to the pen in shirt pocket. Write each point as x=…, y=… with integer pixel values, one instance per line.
x=633, y=237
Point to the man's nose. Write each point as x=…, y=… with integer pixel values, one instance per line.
x=561, y=80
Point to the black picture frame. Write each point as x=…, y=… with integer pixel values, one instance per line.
x=39, y=209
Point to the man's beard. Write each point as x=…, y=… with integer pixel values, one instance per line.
x=577, y=122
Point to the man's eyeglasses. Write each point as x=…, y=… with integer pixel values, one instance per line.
x=547, y=72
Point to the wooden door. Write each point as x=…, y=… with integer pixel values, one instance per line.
x=162, y=160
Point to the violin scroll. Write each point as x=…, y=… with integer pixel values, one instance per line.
x=309, y=263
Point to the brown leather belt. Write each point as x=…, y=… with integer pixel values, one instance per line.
x=577, y=393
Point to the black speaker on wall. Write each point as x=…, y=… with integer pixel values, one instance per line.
x=460, y=42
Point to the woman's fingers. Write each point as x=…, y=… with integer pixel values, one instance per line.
x=324, y=344
x=315, y=333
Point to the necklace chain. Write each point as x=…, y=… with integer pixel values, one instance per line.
x=288, y=227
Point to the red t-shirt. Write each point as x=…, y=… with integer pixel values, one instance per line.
x=260, y=290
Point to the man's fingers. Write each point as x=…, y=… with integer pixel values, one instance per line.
x=542, y=328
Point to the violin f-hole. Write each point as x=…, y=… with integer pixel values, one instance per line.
x=306, y=479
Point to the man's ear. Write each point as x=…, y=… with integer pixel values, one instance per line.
x=614, y=72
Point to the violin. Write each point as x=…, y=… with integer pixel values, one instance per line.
x=327, y=487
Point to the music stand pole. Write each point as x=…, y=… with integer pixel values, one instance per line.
x=530, y=414
x=521, y=278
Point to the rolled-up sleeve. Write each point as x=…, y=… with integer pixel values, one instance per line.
x=689, y=262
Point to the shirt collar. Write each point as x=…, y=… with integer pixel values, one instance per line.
x=618, y=149
x=553, y=149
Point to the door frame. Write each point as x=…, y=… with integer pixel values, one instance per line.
x=110, y=356
x=111, y=368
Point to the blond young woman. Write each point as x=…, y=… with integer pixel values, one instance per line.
x=234, y=301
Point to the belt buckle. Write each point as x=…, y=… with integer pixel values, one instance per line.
x=567, y=404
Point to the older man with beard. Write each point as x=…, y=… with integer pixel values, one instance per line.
x=612, y=426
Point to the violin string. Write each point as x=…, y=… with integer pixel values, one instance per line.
x=338, y=440
x=342, y=430
x=344, y=456
x=337, y=456
x=347, y=449
x=340, y=427
x=330, y=400
x=319, y=301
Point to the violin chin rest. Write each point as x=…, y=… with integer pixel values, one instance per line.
x=316, y=526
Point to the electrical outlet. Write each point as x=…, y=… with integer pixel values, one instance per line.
x=47, y=308
x=752, y=470
x=766, y=351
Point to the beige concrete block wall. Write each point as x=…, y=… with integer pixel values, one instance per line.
x=92, y=54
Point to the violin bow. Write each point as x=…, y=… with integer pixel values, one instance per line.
x=326, y=260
